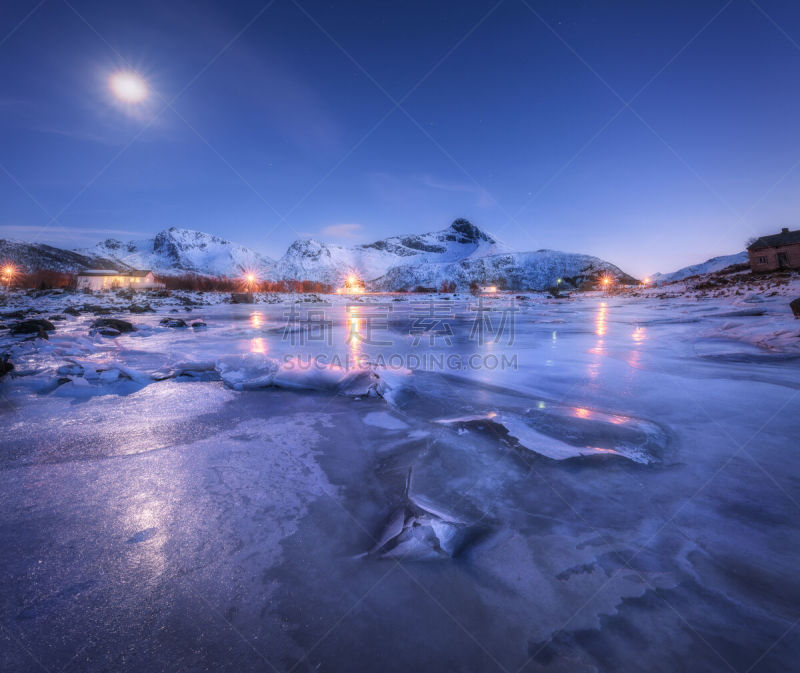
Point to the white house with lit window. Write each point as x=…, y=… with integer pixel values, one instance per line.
x=106, y=279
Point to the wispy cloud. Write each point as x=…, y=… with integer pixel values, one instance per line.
x=61, y=234
x=347, y=231
x=484, y=199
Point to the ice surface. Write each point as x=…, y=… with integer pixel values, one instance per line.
x=623, y=499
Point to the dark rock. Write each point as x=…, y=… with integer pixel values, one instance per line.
x=71, y=310
x=13, y=315
x=173, y=322
x=41, y=334
x=32, y=326
x=199, y=323
x=114, y=323
x=795, y=306
x=5, y=365
x=57, y=317
x=107, y=331
x=141, y=308
x=96, y=309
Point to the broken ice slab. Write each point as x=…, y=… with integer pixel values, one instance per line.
x=560, y=433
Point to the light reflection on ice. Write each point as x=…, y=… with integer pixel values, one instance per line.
x=600, y=320
x=258, y=345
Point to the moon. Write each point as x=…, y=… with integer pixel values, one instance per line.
x=128, y=87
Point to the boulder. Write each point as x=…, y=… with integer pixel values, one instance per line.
x=96, y=309
x=41, y=334
x=113, y=323
x=5, y=365
x=795, y=306
x=71, y=310
x=173, y=322
x=141, y=308
x=57, y=317
x=32, y=326
x=107, y=331
x=198, y=324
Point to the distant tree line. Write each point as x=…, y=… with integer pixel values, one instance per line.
x=44, y=280
x=190, y=281
x=51, y=280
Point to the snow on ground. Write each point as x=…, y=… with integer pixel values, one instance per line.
x=343, y=483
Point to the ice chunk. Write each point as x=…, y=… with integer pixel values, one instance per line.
x=420, y=530
x=381, y=419
x=591, y=432
x=256, y=370
x=247, y=372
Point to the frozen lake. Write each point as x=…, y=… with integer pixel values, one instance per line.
x=596, y=485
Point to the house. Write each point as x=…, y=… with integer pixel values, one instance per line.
x=777, y=251
x=105, y=279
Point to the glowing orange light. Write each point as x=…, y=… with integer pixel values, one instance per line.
x=250, y=279
x=646, y=281
x=580, y=412
x=8, y=274
x=606, y=280
x=352, y=285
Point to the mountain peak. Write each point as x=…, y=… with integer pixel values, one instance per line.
x=468, y=232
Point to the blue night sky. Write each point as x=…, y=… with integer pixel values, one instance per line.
x=352, y=121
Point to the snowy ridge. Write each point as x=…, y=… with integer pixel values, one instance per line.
x=175, y=251
x=37, y=256
x=309, y=259
x=516, y=270
x=709, y=266
x=461, y=253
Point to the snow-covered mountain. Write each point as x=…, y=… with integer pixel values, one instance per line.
x=709, y=266
x=37, y=256
x=537, y=270
x=309, y=259
x=461, y=253
x=175, y=251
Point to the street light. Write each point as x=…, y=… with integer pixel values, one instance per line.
x=8, y=275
